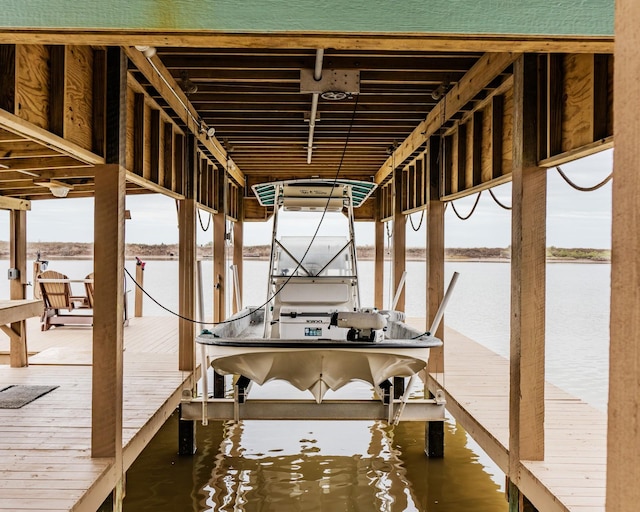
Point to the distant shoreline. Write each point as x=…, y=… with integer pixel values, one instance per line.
x=84, y=251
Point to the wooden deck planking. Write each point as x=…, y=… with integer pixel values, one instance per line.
x=572, y=476
x=45, y=445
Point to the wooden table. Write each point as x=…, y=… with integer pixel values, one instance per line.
x=13, y=314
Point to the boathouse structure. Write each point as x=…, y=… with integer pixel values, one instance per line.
x=433, y=101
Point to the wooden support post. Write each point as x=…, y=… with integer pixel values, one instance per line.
x=434, y=439
x=17, y=287
x=528, y=260
x=434, y=430
x=378, y=283
x=186, y=435
x=187, y=263
x=238, y=245
x=219, y=267
x=138, y=289
x=435, y=253
x=108, y=312
x=399, y=240
x=623, y=436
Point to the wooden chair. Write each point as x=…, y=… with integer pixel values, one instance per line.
x=57, y=296
x=90, y=295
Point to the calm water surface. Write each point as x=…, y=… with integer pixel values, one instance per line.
x=366, y=466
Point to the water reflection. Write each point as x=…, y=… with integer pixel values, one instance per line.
x=310, y=466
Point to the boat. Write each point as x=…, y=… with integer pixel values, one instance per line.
x=313, y=332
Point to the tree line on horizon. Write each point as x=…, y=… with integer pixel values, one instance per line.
x=82, y=250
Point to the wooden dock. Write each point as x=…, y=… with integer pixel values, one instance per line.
x=572, y=475
x=45, y=455
x=45, y=461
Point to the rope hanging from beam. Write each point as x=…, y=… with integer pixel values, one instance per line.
x=419, y=224
x=202, y=224
x=472, y=209
x=583, y=189
x=498, y=202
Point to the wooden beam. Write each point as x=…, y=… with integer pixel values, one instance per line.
x=339, y=41
x=30, y=131
x=108, y=313
x=478, y=77
x=528, y=260
x=152, y=187
x=623, y=436
x=11, y=203
x=435, y=253
x=177, y=100
x=17, y=287
x=399, y=241
x=187, y=264
x=378, y=280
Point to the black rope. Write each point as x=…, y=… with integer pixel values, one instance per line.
x=498, y=202
x=208, y=223
x=583, y=189
x=419, y=225
x=472, y=209
x=251, y=312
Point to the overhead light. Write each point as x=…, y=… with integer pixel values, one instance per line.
x=57, y=188
x=3, y=166
x=187, y=86
x=335, y=95
x=147, y=51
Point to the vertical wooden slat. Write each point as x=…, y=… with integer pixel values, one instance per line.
x=187, y=262
x=476, y=144
x=601, y=96
x=238, y=246
x=420, y=181
x=555, y=91
x=138, y=134
x=623, y=436
x=8, y=73
x=178, y=164
x=462, y=158
x=435, y=253
x=168, y=156
x=497, y=116
x=99, y=101
x=378, y=283
x=399, y=241
x=528, y=252
x=446, y=158
x=154, y=146
x=58, y=77
x=17, y=287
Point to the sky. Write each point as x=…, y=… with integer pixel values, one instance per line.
x=574, y=219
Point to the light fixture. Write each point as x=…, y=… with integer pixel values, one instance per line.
x=335, y=95
x=441, y=90
x=187, y=86
x=57, y=188
x=147, y=51
x=3, y=166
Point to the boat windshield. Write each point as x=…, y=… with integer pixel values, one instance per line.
x=329, y=255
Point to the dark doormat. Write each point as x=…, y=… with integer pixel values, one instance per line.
x=14, y=397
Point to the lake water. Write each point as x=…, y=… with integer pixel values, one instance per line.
x=362, y=466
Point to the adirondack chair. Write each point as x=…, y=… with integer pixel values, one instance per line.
x=90, y=295
x=57, y=296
